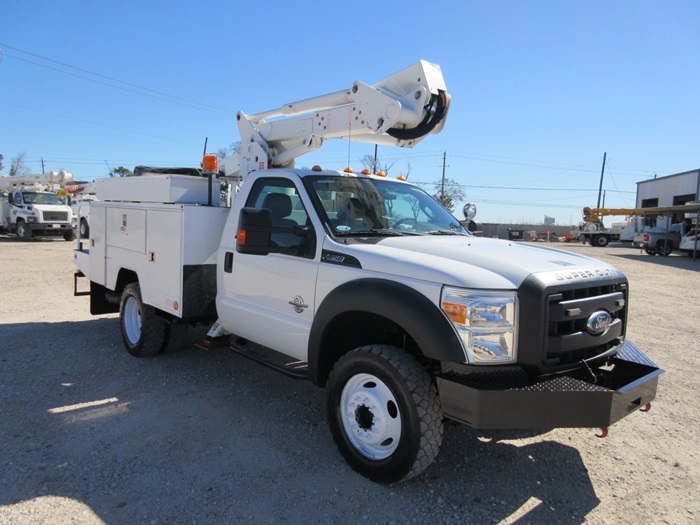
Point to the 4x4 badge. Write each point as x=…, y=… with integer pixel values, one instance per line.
x=298, y=304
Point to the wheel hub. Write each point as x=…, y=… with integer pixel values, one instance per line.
x=132, y=320
x=370, y=416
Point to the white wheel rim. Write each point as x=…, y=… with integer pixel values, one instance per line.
x=371, y=416
x=132, y=320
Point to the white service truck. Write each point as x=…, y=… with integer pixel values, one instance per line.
x=30, y=205
x=366, y=286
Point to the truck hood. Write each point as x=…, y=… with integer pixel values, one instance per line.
x=52, y=207
x=468, y=261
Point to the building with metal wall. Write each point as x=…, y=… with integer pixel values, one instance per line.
x=671, y=190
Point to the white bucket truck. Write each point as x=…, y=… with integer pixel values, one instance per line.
x=32, y=205
x=366, y=286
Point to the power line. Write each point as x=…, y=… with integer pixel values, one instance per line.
x=111, y=81
x=518, y=188
x=94, y=123
x=532, y=204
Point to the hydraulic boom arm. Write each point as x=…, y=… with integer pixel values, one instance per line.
x=400, y=110
x=593, y=214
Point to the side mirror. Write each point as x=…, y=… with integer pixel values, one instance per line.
x=10, y=198
x=254, y=229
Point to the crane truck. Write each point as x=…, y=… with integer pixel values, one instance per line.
x=31, y=205
x=596, y=234
x=364, y=285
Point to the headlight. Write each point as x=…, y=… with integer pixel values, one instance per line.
x=486, y=321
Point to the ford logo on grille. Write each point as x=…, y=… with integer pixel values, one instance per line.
x=598, y=322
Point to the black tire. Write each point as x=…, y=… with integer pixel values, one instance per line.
x=380, y=392
x=601, y=241
x=69, y=235
x=143, y=332
x=84, y=229
x=664, y=248
x=23, y=231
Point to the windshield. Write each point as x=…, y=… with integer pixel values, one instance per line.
x=40, y=198
x=356, y=206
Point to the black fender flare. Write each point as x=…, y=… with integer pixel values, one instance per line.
x=414, y=313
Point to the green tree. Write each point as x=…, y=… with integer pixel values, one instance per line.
x=121, y=171
x=448, y=194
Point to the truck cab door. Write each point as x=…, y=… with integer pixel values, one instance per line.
x=269, y=298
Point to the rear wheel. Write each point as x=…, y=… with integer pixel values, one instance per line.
x=664, y=248
x=143, y=332
x=384, y=413
x=601, y=241
x=84, y=229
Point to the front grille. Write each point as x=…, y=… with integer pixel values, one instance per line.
x=568, y=341
x=55, y=216
x=553, y=333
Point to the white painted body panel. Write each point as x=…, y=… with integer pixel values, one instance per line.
x=154, y=241
x=272, y=299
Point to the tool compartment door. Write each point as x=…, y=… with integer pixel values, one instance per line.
x=161, y=277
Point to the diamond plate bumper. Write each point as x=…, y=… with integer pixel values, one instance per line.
x=626, y=384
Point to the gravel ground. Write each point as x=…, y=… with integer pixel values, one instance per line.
x=92, y=435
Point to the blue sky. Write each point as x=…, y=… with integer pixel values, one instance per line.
x=540, y=89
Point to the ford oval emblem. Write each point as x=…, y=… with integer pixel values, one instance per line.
x=598, y=322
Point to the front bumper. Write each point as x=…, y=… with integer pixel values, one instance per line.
x=570, y=400
x=51, y=228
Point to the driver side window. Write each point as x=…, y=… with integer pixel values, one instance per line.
x=282, y=198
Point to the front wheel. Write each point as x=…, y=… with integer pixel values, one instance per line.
x=69, y=235
x=143, y=332
x=384, y=413
x=23, y=231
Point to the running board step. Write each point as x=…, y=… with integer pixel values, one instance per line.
x=271, y=358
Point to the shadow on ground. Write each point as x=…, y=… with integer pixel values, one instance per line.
x=211, y=437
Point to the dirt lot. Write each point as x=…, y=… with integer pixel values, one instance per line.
x=92, y=435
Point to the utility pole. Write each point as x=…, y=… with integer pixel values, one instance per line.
x=374, y=165
x=442, y=189
x=42, y=166
x=602, y=171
